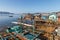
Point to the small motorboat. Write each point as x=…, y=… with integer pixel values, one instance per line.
x=10, y=16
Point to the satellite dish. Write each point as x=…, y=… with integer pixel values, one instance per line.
x=53, y=17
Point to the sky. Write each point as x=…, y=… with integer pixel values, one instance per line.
x=29, y=6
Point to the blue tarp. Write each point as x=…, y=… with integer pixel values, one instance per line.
x=44, y=17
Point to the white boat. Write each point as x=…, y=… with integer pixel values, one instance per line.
x=22, y=23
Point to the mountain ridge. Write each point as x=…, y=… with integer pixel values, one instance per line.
x=6, y=13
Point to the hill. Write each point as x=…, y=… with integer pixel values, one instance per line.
x=6, y=13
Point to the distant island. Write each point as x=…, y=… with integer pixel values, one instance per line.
x=6, y=13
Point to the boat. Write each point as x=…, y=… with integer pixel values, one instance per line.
x=10, y=16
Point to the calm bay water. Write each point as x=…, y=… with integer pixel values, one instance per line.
x=5, y=20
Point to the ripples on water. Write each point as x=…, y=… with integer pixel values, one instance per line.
x=5, y=20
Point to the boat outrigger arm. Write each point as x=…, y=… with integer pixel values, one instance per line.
x=22, y=23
